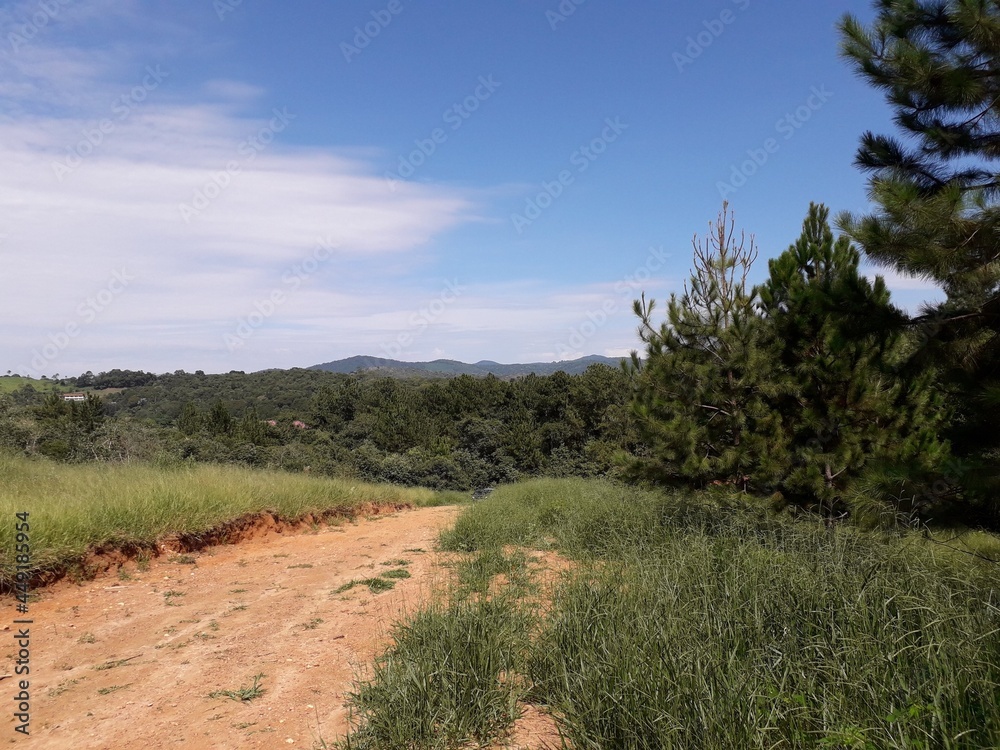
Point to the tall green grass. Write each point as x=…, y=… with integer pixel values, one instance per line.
x=581, y=516
x=719, y=641
x=450, y=678
x=74, y=508
x=697, y=622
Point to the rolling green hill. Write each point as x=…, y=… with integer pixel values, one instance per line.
x=11, y=383
x=453, y=368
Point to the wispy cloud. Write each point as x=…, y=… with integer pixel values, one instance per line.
x=100, y=156
x=102, y=150
x=123, y=205
x=910, y=293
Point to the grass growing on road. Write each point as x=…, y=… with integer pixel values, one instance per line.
x=245, y=693
x=690, y=622
x=447, y=679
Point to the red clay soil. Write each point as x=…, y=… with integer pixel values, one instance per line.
x=129, y=660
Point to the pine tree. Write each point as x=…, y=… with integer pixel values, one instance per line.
x=53, y=410
x=937, y=191
x=250, y=429
x=843, y=403
x=701, y=395
x=190, y=419
x=219, y=420
x=89, y=413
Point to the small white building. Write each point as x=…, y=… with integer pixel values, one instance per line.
x=74, y=397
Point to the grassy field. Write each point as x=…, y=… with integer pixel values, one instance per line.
x=77, y=508
x=9, y=384
x=688, y=623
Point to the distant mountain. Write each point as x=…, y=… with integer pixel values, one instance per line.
x=449, y=368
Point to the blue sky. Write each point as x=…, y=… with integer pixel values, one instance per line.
x=242, y=184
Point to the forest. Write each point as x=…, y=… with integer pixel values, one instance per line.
x=459, y=433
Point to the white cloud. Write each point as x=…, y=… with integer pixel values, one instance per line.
x=236, y=91
x=100, y=153
x=908, y=292
x=120, y=207
x=900, y=282
x=196, y=281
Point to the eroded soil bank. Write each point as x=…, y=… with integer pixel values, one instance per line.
x=129, y=660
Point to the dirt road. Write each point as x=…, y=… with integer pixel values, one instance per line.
x=129, y=661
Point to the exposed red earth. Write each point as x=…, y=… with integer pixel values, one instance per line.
x=128, y=660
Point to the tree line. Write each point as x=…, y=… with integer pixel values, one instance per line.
x=459, y=433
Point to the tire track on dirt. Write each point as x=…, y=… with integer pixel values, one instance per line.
x=194, y=624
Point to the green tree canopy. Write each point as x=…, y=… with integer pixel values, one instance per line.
x=936, y=188
x=701, y=395
x=843, y=402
